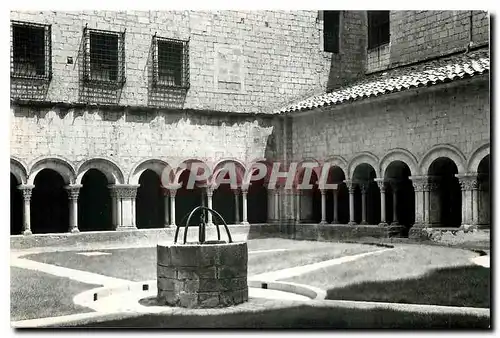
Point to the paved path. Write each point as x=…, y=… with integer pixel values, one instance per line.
x=300, y=270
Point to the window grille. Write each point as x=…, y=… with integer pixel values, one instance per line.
x=378, y=28
x=104, y=57
x=30, y=52
x=170, y=63
x=331, y=31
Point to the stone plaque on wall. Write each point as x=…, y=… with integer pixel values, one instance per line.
x=229, y=69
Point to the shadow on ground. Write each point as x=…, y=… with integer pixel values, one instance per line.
x=456, y=286
x=303, y=317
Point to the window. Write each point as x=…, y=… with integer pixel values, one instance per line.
x=30, y=55
x=378, y=28
x=170, y=62
x=331, y=31
x=104, y=57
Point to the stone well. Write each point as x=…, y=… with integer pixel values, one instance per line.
x=208, y=275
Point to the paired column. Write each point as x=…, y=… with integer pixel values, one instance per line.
x=323, y=206
x=210, y=193
x=394, y=187
x=351, y=187
x=364, y=190
x=166, y=206
x=418, y=183
x=172, y=193
x=73, y=191
x=298, y=193
x=335, y=206
x=470, y=199
x=381, y=186
x=245, y=205
x=26, y=190
x=237, y=205
x=124, y=199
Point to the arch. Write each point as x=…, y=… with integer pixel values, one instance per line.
x=476, y=157
x=337, y=161
x=109, y=168
x=19, y=170
x=59, y=164
x=399, y=154
x=156, y=165
x=179, y=170
x=300, y=170
x=442, y=150
x=363, y=157
x=240, y=170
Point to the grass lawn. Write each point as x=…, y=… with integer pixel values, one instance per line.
x=303, y=317
x=35, y=294
x=139, y=264
x=409, y=274
x=457, y=286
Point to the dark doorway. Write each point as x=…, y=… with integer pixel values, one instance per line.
x=16, y=207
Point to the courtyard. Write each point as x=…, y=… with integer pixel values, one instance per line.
x=48, y=285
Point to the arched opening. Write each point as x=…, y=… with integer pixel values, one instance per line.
x=49, y=203
x=16, y=207
x=401, y=187
x=188, y=198
x=446, y=201
x=257, y=202
x=150, y=201
x=94, y=202
x=364, y=176
x=223, y=201
x=483, y=171
x=336, y=176
x=310, y=200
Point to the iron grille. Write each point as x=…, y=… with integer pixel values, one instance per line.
x=104, y=57
x=378, y=28
x=170, y=63
x=331, y=31
x=30, y=51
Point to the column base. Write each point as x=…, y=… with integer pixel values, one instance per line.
x=74, y=231
x=468, y=227
x=125, y=228
x=244, y=223
x=352, y=223
x=323, y=222
x=167, y=226
x=363, y=223
x=383, y=224
x=395, y=223
x=27, y=232
x=335, y=223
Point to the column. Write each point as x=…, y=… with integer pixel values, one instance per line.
x=335, y=207
x=297, y=205
x=26, y=190
x=381, y=186
x=245, y=218
x=323, y=206
x=73, y=191
x=166, y=203
x=418, y=188
x=351, y=186
x=394, y=187
x=276, y=205
x=470, y=199
x=364, y=190
x=172, y=206
x=433, y=207
x=210, y=193
x=126, y=194
x=237, y=206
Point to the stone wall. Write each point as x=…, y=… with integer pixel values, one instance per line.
x=454, y=118
x=240, y=61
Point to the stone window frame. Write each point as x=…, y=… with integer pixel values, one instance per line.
x=168, y=72
x=331, y=31
x=32, y=57
x=379, y=28
x=100, y=67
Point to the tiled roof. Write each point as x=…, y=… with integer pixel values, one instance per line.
x=426, y=74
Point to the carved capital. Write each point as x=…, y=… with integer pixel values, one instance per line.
x=351, y=186
x=381, y=184
x=364, y=187
x=236, y=192
x=124, y=191
x=209, y=191
x=26, y=191
x=73, y=191
x=468, y=182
